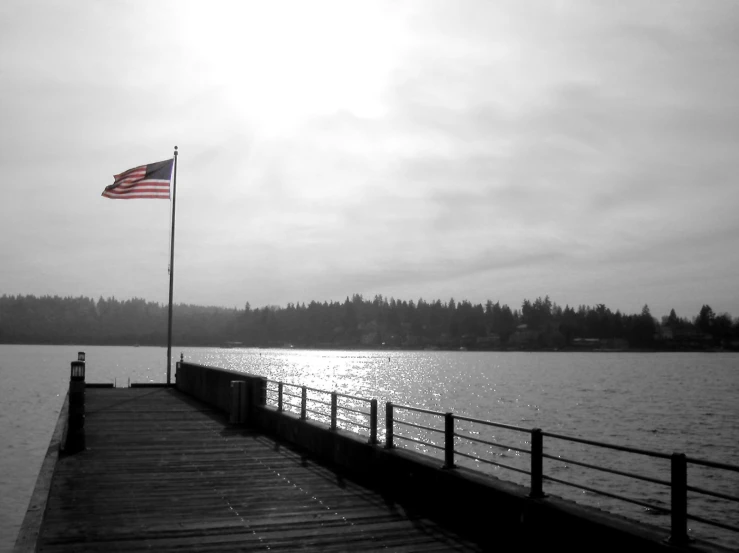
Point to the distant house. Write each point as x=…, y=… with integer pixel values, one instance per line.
x=682, y=337
x=233, y=345
x=586, y=343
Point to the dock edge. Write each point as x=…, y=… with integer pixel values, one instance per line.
x=30, y=529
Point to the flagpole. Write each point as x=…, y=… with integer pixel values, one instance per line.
x=171, y=273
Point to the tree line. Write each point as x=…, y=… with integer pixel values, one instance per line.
x=358, y=322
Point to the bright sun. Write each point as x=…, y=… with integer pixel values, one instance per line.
x=280, y=63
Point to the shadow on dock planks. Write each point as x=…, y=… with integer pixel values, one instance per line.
x=164, y=472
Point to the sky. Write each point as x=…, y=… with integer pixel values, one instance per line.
x=502, y=150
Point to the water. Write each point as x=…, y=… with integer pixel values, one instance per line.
x=666, y=402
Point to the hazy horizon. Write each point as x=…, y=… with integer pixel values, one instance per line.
x=475, y=150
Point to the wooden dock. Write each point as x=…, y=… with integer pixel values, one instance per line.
x=163, y=472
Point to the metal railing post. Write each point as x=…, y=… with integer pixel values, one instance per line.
x=537, y=464
x=388, y=425
x=373, y=422
x=303, y=401
x=333, y=410
x=279, y=396
x=448, y=440
x=679, y=499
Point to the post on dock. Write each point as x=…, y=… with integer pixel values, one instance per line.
x=334, y=409
x=279, y=397
x=373, y=422
x=76, y=421
x=238, y=402
x=303, y=401
x=537, y=464
x=177, y=366
x=679, y=500
x=448, y=440
x=388, y=425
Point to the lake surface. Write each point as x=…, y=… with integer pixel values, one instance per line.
x=684, y=402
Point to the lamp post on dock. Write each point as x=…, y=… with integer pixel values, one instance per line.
x=76, y=421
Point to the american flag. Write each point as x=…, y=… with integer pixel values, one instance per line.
x=147, y=181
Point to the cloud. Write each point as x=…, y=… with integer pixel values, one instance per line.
x=507, y=149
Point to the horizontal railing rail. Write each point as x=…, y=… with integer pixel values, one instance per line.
x=416, y=425
x=712, y=464
x=677, y=483
x=340, y=408
x=616, y=447
x=391, y=434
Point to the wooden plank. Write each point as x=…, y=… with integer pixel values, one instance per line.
x=162, y=472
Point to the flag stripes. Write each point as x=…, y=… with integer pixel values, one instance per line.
x=144, y=182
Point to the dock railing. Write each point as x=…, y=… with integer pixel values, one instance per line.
x=457, y=438
x=337, y=410
x=446, y=436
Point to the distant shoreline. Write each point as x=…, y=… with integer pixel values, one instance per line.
x=359, y=347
